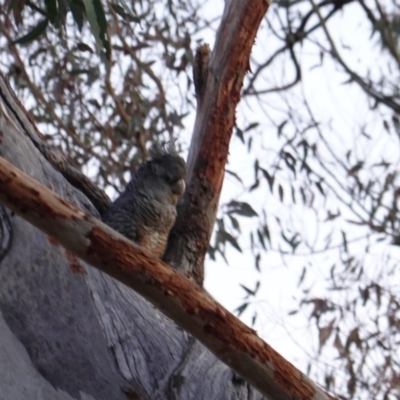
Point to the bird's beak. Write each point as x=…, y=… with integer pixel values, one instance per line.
x=179, y=187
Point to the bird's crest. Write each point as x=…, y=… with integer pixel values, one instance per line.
x=159, y=150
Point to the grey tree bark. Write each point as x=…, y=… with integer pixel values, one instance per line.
x=69, y=331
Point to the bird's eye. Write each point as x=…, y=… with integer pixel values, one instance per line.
x=179, y=187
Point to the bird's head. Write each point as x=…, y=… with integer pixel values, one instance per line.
x=164, y=174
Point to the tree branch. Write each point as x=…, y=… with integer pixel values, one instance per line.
x=389, y=101
x=54, y=156
x=229, y=61
x=183, y=301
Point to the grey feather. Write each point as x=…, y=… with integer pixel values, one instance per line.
x=146, y=211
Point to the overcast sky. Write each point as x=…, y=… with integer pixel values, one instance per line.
x=343, y=108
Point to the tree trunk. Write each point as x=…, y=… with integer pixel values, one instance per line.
x=85, y=333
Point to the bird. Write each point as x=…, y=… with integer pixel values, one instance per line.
x=146, y=211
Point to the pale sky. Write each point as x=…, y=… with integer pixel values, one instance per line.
x=343, y=108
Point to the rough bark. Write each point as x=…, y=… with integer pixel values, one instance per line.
x=218, y=93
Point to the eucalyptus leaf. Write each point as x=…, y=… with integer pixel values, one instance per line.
x=38, y=30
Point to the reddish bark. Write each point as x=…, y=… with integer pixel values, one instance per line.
x=217, y=101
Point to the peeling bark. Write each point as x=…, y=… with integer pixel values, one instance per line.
x=218, y=93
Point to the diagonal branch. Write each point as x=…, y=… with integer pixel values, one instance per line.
x=180, y=299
